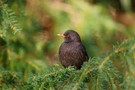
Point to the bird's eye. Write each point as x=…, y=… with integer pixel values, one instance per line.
x=66, y=35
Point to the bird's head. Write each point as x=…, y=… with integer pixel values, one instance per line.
x=70, y=36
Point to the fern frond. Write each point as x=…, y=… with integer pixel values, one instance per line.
x=9, y=21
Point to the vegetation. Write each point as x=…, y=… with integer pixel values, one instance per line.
x=29, y=45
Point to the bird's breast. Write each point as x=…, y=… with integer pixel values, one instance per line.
x=68, y=52
x=68, y=47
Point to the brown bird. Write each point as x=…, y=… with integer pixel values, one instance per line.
x=72, y=52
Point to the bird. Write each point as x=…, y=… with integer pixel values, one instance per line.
x=72, y=52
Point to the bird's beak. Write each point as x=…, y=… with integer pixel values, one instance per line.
x=61, y=35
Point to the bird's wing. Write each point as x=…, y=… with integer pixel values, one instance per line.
x=83, y=51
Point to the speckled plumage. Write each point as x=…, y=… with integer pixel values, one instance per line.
x=72, y=52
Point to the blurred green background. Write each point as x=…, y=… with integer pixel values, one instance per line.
x=29, y=28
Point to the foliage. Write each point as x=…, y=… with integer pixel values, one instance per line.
x=97, y=74
x=28, y=47
x=9, y=21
